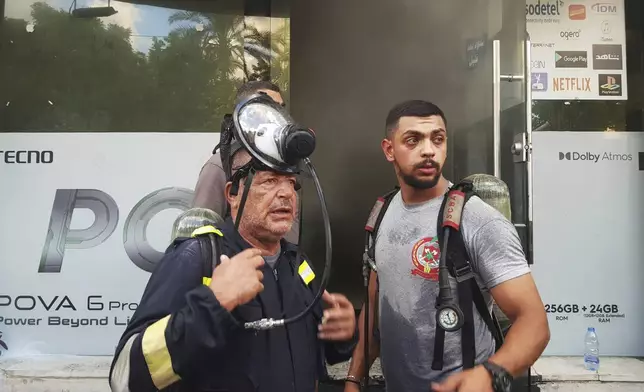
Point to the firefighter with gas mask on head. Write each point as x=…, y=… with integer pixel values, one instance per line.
x=209, y=190
x=189, y=332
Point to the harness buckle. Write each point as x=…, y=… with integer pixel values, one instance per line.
x=368, y=261
x=464, y=273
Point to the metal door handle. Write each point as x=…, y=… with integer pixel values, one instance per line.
x=528, y=141
x=498, y=77
x=528, y=123
x=496, y=99
x=522, y=147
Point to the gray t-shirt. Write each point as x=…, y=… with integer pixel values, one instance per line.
x=272, y=259
x=407, y=255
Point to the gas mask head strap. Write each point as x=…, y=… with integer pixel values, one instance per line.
x=249, y=170
x=244, y=172
x=224, y=145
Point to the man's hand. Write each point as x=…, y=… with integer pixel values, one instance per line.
x=351, y=387
x=477, y=379
x=238, y=280
x=339, y=321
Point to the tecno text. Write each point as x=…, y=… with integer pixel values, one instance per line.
x=26, y=156
x=591, y=157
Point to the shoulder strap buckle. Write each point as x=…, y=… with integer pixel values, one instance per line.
x=465, y=186
x=367, y=260
x=463, y=273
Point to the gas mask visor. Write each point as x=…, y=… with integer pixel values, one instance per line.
x=270, y=135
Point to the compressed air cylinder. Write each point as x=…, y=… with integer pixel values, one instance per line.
x=193, y=219
x=493, y=191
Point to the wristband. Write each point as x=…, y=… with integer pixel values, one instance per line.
x=353, y=379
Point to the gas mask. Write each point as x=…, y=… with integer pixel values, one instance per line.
x=270, y=135
x=277, y=143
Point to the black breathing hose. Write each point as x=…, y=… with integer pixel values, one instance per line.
x=300, y=215
x=445, y=290
x=270, y=323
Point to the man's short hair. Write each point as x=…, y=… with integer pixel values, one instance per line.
x=249, y=88
x=411, y=108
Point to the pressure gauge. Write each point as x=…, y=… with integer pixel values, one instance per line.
x=449, y=317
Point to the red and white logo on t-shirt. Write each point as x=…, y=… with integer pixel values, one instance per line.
x=425, y=256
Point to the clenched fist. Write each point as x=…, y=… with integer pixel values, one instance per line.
x=238, y=280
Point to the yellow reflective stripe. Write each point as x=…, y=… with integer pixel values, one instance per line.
x=206, y=281
x=205, y=230
x=157, y=356
x=306, y=272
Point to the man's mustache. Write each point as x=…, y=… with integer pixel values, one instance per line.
x=428, y=163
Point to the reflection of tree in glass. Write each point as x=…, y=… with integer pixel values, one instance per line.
x=260, y=121
x=69, y=74
x=221, y=43
x=274, y=60
x=229, y=40
x=258, y=45
x=281, y=63
x=84, y=75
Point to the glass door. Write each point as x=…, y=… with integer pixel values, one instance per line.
x=352, y=61
x=493, y=134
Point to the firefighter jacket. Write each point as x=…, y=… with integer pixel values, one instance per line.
x=181, y=339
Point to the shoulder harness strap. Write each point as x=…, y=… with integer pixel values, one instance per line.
x=211, y=246
x=373, y=222
x=369, y=257
x=467, y=287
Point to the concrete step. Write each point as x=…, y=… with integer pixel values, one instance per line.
x=56, y=373
x=591, y=387
x=567, y=374
x=571, y=369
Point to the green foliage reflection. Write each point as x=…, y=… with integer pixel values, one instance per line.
x=84, y=75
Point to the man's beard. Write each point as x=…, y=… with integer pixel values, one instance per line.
x=421, y=184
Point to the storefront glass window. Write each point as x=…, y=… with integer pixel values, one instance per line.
x=144, y=69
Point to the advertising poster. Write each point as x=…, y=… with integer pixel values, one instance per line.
x=578, y=49
x=588, y=238
x=85, y=217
